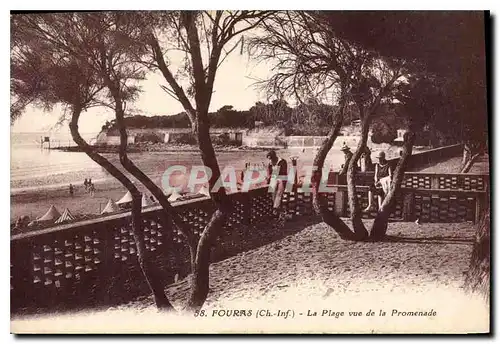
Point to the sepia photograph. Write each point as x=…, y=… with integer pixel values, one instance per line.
x=250, y=172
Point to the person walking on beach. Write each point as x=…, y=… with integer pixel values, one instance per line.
x=277, y=167
x=382, y=181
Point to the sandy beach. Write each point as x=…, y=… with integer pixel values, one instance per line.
x=34, y=196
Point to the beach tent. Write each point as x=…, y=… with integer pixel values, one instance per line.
x=66, y=216
x=145, y=201
x=110, y=207
x=174, y=196
x=204, y=191
x=127, y=198
x=50, y=215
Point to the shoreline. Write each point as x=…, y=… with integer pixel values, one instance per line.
x=158, y=147
x=58, y=186
x=60, y=179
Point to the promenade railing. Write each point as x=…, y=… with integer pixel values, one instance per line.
x=94, y=261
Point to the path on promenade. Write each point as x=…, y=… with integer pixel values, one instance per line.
x=452, y=165
x=316, y=269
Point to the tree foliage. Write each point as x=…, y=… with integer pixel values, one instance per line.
x=312, y=60
x=448, y=45
x=91, y=59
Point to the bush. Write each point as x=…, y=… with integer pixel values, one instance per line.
x=308, y=130
x=187, y=139
x=149, y=137
x=223, y=139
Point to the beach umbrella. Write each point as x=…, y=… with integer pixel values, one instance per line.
x=204, y=191
x=145, y=201
x=110, y=207
x=66, y=216
x=51, y=214
x=127, y=198
x=174, y=196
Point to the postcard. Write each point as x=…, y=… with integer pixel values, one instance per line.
x=250, y=171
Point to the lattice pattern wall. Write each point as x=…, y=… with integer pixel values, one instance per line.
x=261, y=209
x=64, y=259
x=76, y=257
x=462, y=182
x=397, y=213
x=196, y=215
x=417, y=181
x=81, y=257
x=298, y=203
x=239, y=215
x=438, y=208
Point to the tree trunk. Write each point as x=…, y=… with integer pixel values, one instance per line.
x=151, y=271
x=210, y=160
x=472, y=150
x=171, y=215
x=137, y=225
x=320, y=208
x=367, y=161
x=200, y=126
x=379, y=227
x=470, y=163
x=478, y=275
x=347, y=160
x=465, y=156
x=203, y=86
x=357, y=222
x=328, y=216
x=200, y=279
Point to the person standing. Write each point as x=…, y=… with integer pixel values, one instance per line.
x=347, y=157
x=277, y=168
x=71, y=190
x=366, y=160
x=382, y=181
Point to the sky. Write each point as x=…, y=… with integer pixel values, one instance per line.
x=234, y=85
